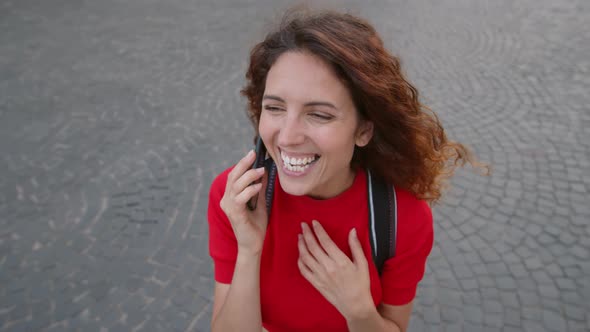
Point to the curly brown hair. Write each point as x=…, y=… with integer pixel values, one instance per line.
x=409, y=147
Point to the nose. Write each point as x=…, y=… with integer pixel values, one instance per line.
x=292, y=131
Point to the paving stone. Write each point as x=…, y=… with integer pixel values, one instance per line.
x=553, y=321
x=552, y=304
x=577, y=327
x=490, y=256
x=549, y=291
x=469, y=326
x=580, y=252
x=463, y=271
x=19, y=312
x=567, y=239
x=534, y=314
x=469, y=284
x=510, y=329
x=528, y=298
x=554, y=270
x=431, y=315
x=450, y=298
x=518, y=270
x=506, y=283
x=511, y=258
x=509, y=299
x=204, y=323
x=450, y=315
x=572, y=297
x=22, y=325
x=542, y=277
x=512, y=318
x=106, y=190
x=485, y=281
x=576, y=313
x=493, y=322
x=563, y=284
x=492, y=307
x=472, y=314
x=498, y=269
x=479, y=269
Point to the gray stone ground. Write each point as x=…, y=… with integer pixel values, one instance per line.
x=116, y=115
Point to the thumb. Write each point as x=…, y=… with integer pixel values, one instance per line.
x=358, y=255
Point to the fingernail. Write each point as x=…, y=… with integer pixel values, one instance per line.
x=315, y=223
x=250, y=153
x=260, y=170
x=354, y=232
x=303, y=226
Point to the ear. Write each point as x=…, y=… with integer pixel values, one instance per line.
x=364, y=133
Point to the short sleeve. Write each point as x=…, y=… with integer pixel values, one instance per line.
x=222, y=241
x=415, y=237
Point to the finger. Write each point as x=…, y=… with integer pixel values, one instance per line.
x=306, y=271
x=247, y=179
x=358, y=255
x=326, y=242
x=313, y=246
x=306, y=257
x=241, y=167
x=247, y=193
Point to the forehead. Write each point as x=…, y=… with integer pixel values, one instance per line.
x=301, y=76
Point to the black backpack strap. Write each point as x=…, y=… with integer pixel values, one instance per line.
x=271, y=168
x=382, y=219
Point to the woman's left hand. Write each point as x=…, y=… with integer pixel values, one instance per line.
x=343, y=282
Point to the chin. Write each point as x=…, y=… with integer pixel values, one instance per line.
x=295, y=189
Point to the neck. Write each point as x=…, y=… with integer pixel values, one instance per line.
x=336, y=186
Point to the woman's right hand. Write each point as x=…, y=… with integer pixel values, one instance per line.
x=249, y=226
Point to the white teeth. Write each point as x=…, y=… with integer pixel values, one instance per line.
x=296, y=164
x=298, y=169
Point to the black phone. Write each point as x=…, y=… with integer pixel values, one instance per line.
x=259, y=162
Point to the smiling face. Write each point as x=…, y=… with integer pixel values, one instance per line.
x=310, y=126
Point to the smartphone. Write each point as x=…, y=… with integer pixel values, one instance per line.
x=259, y=162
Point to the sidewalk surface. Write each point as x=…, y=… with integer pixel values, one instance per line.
x=116, y=115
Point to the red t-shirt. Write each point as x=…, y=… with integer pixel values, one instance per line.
x=289, y=302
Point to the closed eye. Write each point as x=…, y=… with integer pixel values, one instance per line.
x=272, y=108
x=321, y=116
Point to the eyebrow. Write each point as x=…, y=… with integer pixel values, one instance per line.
x=311, y=103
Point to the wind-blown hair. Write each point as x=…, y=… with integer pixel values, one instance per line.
x=409, y=147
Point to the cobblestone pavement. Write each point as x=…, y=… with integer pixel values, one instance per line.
x=116, y=115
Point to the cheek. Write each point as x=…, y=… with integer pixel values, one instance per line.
x=267, y=129
x=336, y=143
x=264, y=128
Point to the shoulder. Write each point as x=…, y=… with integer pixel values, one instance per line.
x=415, y=220
x=218, y=185
x=411, y=207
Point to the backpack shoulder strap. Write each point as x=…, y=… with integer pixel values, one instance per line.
x=382, y=219
x=271, y=168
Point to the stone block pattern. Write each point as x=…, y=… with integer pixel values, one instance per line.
x=115, y=116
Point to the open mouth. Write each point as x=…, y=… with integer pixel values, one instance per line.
x=298, y=164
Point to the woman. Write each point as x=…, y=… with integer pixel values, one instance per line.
x=329, y=103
